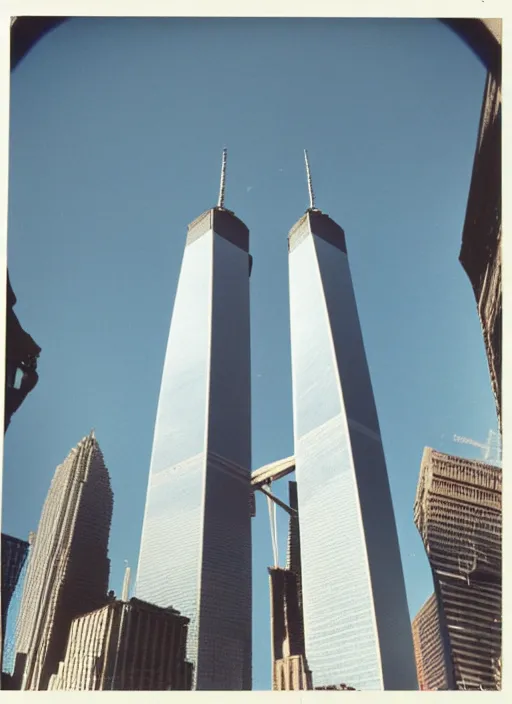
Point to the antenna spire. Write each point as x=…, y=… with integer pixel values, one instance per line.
x=222, y=189
x=310, y=183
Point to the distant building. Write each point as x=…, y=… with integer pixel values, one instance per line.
x=458, y=514
x=290, y=670
x=429, y=648
x=21, y=354
x=68, y=567
x=14, y=554
x=289, y=665
x=126, y=646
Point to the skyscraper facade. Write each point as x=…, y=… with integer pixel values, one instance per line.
x=196, y=540
x=458, y=514
x=126, y=646
x=429, y=648
x=68, y=567
x=357, y=626
x=14, y=554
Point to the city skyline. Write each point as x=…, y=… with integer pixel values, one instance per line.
x=376, y=188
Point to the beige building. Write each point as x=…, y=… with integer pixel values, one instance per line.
x=458, y=514
x=126, y=646
x=68, y=567
x=428, y=647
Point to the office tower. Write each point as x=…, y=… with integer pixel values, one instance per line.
x=68, y=568
x=126, y=646
x=357, y=626
x=21, y=354
x=458, y=514
x=14, y=554
x=429, y=648
x=195, y=551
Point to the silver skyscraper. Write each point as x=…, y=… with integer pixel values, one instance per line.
x=196, y=540
x=356, y=620
x=68, y=567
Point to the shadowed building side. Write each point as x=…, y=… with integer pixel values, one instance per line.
x=429, y=648
x=14, y=554
x=289, y=665
x=21, y=354
x=480, y=254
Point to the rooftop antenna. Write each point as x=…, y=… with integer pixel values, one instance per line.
x=126, y=582
x=310, y=183
x=222, y=189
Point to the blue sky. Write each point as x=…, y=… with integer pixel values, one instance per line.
x=117, y=128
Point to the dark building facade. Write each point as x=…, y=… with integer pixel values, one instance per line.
x=480, y=253
x=21, y=354
x=290, y=670
x=126, y=646
x=289, y=665
x=429, y=648
x=14, y=554
x=458, y=514
x=68, y=568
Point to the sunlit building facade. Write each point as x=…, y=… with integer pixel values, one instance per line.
x=356, y=620
x=458, y=512
x=432, y=665
x=128, y=645
x=68, y=567
x=196, y=540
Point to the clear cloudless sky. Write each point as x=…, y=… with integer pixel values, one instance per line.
x=117, y=127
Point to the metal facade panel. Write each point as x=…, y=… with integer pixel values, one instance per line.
x=357, y=630
x=196, y=546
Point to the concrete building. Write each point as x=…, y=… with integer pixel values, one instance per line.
x=14, y=554
x=356, y=619
x=68, y=567
x=458, y=514
x=21, y=354
x=429, y=648
x=196, y=537
x=126, y=646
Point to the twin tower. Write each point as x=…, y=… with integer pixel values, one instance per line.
x=196, y=540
